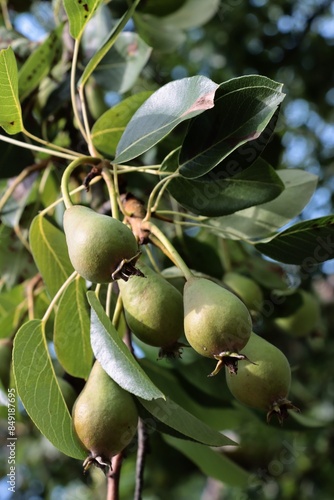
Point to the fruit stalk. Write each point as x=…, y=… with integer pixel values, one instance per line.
x=177, y=259
x=66, y=176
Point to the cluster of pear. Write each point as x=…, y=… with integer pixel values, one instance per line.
x=214, y=318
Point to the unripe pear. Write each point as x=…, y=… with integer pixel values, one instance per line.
x=217, y=324
x=153, y=310
x=100, y=247
x=263, y=378
x=246, y=288
x=105, y=418
x=302, y=321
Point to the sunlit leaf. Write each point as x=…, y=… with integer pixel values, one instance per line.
x=40, y=63
x=79, y=13
x=10, y=108
x=114, y=356
x=108, y=129
x=49, y=249
x=238, y=116
x=71, y=331
x=37, y=386
x=170, y=105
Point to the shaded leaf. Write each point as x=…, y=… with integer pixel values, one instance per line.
x=15, y=260
x=170, y=105
x=71, y=331
x=101, y=53
x=114, y=356
x=79, y=13
x=40, y=63
x=49, y=249
x=238, y=116
x=121, y=66
x=157, y=33
x=213, y=195
x=108, y=129
x=176, y=417
x=258, y=222
x=211, y=463
x=37, y=386
x=306, y=243
x=192, y=13
x=13, y=158
x=10, y=108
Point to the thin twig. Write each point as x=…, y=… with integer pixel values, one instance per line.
x=143, y=450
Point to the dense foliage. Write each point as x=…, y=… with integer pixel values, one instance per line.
x=195, y=141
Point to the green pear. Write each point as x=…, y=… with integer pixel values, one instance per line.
x=263, y=378
x=105, y=418
x=304, y=320
x=153, y=309
x=217, y=324
x=100, y=247
x=246, y=289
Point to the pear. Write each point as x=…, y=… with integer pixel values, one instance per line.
x=263, y=379
x=100, y=247
x=304, y=320
x=153, y=310
x=217, y=324
x=105, y=418
x=246, y=289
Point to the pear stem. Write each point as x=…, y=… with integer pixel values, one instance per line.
x=176, y=257
x=108, y=179
x=66, y=176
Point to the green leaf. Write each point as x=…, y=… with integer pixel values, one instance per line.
x=214, y=195
x=260, y=221
x=172, y=104
x=71, y=331
x=160, y=8
x=158, y=34
x=108, y=129
x=101, y=53
x=174, y=388
x=121, y=66
x=15, y=260
x=10, y=108
x=13, y=158
x=116, y=359
x=176, y=417
x=238, y=116
x=193, y=13
x=40, y=63
x=49, y=249
x=39, y=391
x=79, y=13
x=307, y=243
x=211, y=463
